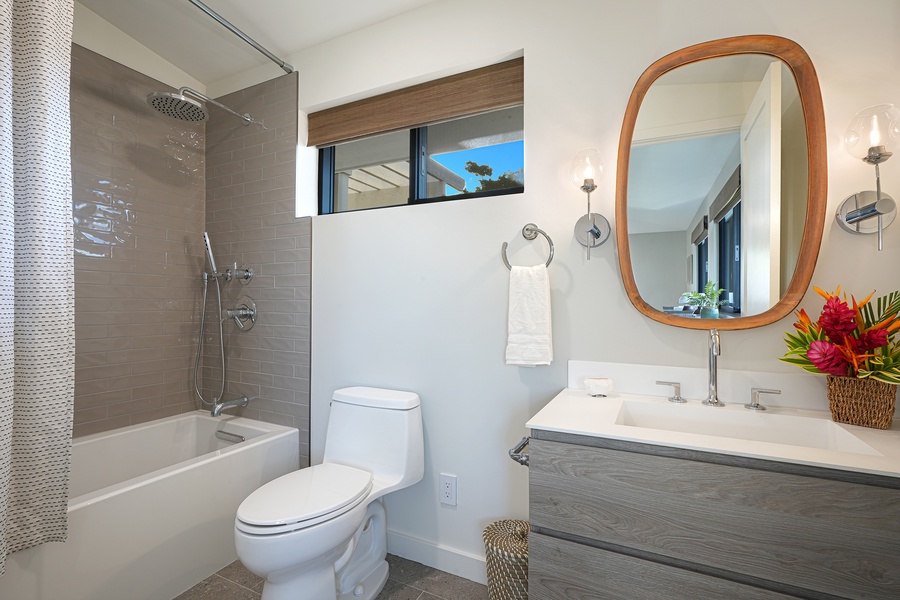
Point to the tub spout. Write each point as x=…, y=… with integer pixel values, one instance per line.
x=218, y=407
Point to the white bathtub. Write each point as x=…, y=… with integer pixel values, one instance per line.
x=151, y=509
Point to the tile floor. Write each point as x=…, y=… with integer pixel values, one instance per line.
x=408, y=580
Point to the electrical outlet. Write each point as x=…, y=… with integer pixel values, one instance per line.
x=448, y=489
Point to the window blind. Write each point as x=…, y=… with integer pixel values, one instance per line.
x=489, y=88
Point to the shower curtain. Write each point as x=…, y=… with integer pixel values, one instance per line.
x=37, y=298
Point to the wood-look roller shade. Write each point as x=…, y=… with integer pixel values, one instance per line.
x=489, y=88
x=700, y=231
x=727, y=198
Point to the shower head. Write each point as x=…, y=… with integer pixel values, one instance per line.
x=209, y=254
x=178, y=106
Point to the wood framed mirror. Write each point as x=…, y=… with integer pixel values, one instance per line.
x=721, y=178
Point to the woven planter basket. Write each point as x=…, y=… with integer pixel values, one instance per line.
x=506, y=551
x=861, y=401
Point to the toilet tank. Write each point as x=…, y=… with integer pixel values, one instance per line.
x=377, y=430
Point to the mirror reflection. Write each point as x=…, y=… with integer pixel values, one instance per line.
x=717, y=187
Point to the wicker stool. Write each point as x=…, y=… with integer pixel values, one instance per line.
x=506, y=551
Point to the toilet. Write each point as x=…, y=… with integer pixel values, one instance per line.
x=319, y=533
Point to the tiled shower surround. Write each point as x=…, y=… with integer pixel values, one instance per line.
x=145, y=187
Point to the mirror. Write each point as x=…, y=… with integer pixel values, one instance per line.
x=722, y=181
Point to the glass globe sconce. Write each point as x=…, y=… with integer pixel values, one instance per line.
x=592, y=229
x=871, y=136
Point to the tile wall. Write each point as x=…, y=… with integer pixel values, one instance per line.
x=251, y=176
x=138, y=196
x=145, y=187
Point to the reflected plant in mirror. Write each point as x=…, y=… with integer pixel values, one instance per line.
x=722, y=164
x=708, y=300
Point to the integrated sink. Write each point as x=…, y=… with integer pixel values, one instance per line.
x=738, y=423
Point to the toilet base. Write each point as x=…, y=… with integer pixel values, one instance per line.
x=365, y=572
x=369, y=587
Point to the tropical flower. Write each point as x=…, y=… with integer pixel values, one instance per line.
x=854, y=339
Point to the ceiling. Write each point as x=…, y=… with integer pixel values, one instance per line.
x=185, y=36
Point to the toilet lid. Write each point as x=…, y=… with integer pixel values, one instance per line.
x=309, y=495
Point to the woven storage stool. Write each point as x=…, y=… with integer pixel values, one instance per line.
x=506, y=551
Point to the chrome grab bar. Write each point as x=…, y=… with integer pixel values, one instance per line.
x=230, y=437
x=529, y=232
x=516, y=453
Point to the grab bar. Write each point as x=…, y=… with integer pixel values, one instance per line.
x=230, y=437
x=529, y=232
x=516, y=453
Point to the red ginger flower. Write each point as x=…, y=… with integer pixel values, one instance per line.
x=828, y=358
x=838, y=319
x=869, y=340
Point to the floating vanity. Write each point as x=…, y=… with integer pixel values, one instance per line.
x=632, y=496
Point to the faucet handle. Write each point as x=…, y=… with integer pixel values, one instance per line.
x=754, y=398
x=677, y=396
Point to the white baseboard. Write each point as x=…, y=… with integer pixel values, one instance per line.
x=450, y=560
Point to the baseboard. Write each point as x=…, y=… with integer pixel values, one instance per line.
x=450, y=560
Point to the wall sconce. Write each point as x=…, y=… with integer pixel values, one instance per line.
x=871, y=135
x=592, y=229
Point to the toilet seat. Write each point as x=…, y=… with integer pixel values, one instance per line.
x=302, y=499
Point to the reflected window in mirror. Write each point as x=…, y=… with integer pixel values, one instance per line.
x=730, y=260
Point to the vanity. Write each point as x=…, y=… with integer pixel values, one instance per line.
x=635, y=497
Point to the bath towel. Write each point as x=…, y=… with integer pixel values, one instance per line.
x=529, y=341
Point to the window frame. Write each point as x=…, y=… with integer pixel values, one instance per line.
x=418, y=178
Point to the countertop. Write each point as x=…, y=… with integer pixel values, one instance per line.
x=693, y=426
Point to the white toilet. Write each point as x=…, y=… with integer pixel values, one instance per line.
x=319, y=533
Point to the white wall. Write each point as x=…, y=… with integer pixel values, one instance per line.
x=415, y=297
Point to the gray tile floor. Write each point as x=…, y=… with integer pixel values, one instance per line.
x=407, y=580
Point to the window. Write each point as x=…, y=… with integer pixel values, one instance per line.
x=730, y=258
x=482, y=155
x=702, y=264
x=457, y=137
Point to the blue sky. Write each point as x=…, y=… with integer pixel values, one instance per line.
x=501, y=157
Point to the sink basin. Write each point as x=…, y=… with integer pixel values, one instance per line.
x=739, y=423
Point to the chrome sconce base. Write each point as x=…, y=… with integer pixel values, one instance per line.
x=867, y=212
x=853, y=213
x=592, y=230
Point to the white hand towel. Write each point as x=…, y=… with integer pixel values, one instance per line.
x=529, y=341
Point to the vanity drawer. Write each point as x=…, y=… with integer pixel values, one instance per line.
x=563, y=570
x=838, y=539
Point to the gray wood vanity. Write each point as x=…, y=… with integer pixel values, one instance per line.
x=621, y=519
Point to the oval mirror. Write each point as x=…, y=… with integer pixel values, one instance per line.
x=721, y=184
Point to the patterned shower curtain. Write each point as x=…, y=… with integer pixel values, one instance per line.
x=37, y=298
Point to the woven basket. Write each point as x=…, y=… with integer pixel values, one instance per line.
x=506, y=551
x=861, y=401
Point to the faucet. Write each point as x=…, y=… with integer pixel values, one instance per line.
x=715, y=349
x=218, y=407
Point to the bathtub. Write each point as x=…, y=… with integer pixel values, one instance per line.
x=151, y=509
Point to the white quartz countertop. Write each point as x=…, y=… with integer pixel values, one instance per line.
x=790, y=435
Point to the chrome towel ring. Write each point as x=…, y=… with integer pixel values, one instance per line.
x=529, y=232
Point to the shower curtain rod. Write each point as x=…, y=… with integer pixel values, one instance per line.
x=287, y=68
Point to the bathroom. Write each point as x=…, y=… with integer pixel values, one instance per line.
x=414, y=298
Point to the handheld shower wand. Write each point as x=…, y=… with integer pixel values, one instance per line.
x=209, y=254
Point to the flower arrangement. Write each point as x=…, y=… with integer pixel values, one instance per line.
x=708, y=298
x=854, y=339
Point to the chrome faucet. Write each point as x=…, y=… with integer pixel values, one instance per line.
x=715, y=349
x=218, y=407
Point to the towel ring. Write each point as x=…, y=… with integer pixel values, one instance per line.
x=529, y=232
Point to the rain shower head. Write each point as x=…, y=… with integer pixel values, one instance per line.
x=178, y=106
